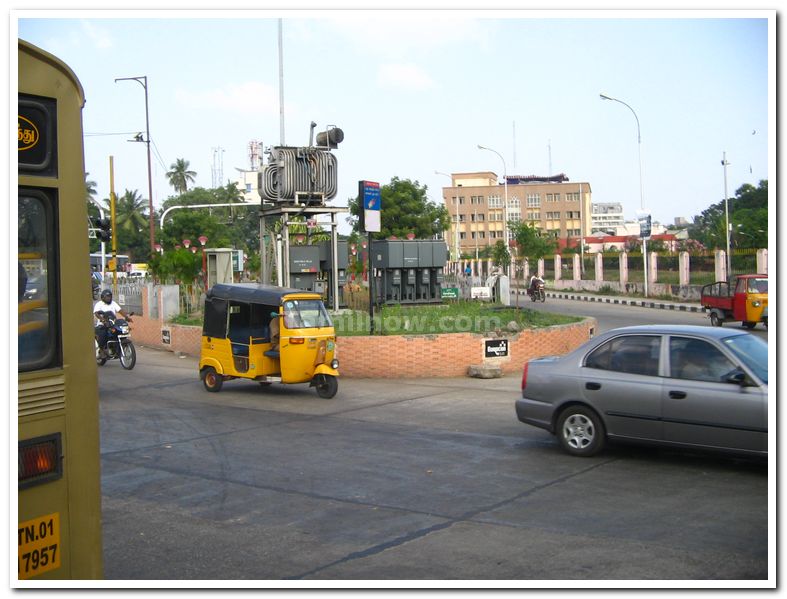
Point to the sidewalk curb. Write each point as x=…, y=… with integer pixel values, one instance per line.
x=640, y=303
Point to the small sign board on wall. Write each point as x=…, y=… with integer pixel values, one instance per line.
x=480, y=293
x=449, y=293
x=495, y=348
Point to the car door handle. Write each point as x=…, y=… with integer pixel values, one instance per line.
x=677, y=394
x=593, y=386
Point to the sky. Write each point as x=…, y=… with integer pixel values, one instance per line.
x=416, y=92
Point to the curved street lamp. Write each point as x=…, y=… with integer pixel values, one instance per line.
x=505, y=199
x=641, y=192
x=143, y=81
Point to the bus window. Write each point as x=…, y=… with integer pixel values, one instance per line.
x=37, y=342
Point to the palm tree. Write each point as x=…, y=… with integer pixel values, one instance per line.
x=90, y=188
x=180, y=176
x=130, y=212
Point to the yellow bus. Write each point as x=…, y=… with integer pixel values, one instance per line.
x=59, y=492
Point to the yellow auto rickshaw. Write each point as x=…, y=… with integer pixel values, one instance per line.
x=239, y=338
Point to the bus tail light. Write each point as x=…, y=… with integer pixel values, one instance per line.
x=40, y=460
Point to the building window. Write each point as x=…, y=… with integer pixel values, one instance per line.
x=477, y=200
x=481, y=234
x=462, y=235
x=572, y=197
x=495, y=202
x=533, y=216
x=533, y=200
x=513, y=203
x=461, y=200
x=553, y=215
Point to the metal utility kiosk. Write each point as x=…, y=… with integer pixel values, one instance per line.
x=285, y=213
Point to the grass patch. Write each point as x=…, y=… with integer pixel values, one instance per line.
x=190, y=320
x=455, y=317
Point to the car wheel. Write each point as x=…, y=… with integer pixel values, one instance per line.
x=212, y=380
x=715, y=320
x=580, y=431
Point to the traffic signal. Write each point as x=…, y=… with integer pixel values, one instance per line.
x=104, y=231
x=644, y=227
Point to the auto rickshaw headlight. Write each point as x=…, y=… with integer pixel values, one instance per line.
x=756, y=303
x=334, y=363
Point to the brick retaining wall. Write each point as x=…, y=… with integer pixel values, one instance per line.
x=400, y=356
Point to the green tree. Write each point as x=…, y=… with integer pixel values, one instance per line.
x=180, y=265
x=131, y=225
x=191, y=224
x=531, y=242
x=180, y=176
x=90, y=189
x=500, y=255
x=405, y=208
x=748, y=217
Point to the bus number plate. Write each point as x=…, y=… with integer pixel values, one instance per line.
x=39, y=546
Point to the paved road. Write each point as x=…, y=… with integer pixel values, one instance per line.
x=612, y=315
x=399, y=480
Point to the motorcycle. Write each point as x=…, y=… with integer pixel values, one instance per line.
x=119, y=345
x=536, y=292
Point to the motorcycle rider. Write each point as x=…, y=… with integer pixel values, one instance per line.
x=534, y=280
x=105, y=308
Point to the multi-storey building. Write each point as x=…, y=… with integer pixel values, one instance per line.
x=605, y=217
x=476, y=203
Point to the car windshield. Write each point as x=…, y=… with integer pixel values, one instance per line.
x=300, y=314
x=752, y=351
x=758, y=285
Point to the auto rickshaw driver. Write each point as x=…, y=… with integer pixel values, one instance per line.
x=273, y=327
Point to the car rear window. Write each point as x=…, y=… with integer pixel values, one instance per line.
x=632, y=354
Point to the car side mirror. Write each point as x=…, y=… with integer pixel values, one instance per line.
x=737, y=377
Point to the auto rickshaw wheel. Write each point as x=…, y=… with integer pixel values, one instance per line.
x=749, y=324
x=326, y=385
x=715, y=320
x=212, y=379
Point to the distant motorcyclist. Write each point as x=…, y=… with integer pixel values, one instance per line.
x=104, y=310
x=534, y=281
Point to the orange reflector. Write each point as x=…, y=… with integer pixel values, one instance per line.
x=40, y=460
x=296, y=340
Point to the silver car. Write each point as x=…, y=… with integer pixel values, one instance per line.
x=682, y=386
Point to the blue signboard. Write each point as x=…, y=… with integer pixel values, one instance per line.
x=369, y=193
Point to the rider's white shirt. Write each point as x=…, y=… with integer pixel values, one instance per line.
x=102, y=306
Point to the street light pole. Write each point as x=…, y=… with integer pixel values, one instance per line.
x=143, y=81
x=505, y=200
x=728, y=229
x=641, y=191
x=456, y=227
